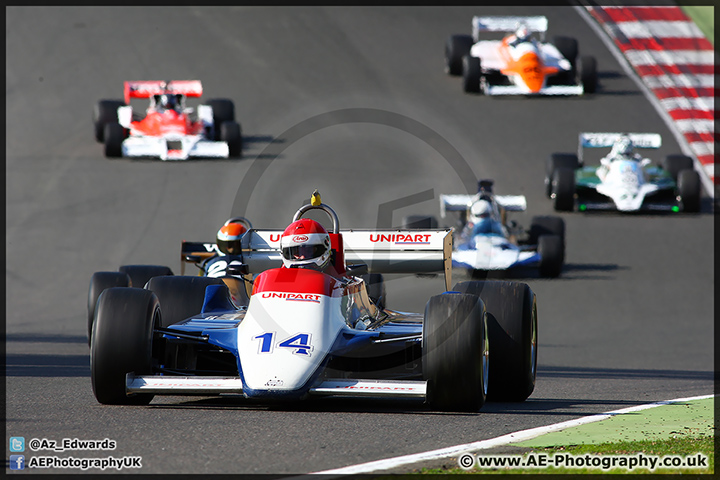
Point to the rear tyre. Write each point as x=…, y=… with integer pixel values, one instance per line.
x=223, y=111
x=550, y=248
x=587, y=69
x=568, y=48
x=455, y=358
x=230, y=132
x=98, y=282
x=419, y=222
x=563, y=189
x=375, y=284
x=512, y=331
x=122, y=342
x=180, y=297
x=104, y=112
x=547, y=225
x=114, y=137
x=689, y=188
x=471, y=74
x=456, y=47
x=140, y=274
x=555, y=161
x=674, y=164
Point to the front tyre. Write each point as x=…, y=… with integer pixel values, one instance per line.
x=114, y=138
x=104, y=112
x=471, y=74
x=587, y=69
x=231, y=133
x=122, y=342
x=563, y=189
x=455, y=349
x=512, y=331
x=551, y=252
x=689, y=188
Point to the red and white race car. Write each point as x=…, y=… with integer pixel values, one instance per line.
x=519, y=64
x=169, y=130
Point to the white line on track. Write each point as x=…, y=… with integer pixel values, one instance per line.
x=395, y=462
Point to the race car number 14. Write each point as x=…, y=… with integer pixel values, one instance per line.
x=299, y=342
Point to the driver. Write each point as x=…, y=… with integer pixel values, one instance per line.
x=229, y=242
x=167, y=101
x=622, y=149
x=305, y=244
x=484, y=223
x=522, y=34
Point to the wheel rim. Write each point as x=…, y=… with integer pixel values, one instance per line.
x=486, y=358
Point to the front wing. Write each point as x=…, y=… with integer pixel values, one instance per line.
x=180, y=148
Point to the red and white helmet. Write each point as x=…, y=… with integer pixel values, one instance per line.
x=229, y=237
x=305, y=243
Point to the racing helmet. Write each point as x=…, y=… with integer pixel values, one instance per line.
x=622, y=147
x=168, y=101
x=305, y=244
x=522, y=33
x=481, y=209
x=229, y=237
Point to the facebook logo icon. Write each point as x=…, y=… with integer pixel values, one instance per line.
x=17, y=462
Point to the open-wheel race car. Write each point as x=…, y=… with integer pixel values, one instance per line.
x=624, y=181
x=168, y=129
x=519, y=64
x=308, y=326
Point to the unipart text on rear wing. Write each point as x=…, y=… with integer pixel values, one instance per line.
x=606, y=140
x=537, y=23
x=148, y=88
x=383, y=251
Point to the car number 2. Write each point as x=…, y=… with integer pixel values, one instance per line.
x=299, y=342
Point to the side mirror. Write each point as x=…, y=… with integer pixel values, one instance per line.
x=193, y=258
x=357, y=269
x=645, y=162
x=235, y=268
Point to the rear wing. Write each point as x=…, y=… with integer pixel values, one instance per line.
x=148, y=88
x=606, y=140
x=383, y=251
x=199, y=250
x=459, y=203
x=508, y=24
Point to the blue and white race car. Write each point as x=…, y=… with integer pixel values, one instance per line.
x=484, y=240
x=307, y=333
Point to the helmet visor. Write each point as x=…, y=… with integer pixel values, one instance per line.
x=303, y=252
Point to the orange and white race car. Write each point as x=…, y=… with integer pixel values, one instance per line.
x=169, y=130
x=519, y=64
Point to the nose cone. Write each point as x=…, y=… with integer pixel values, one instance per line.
x=531, y=71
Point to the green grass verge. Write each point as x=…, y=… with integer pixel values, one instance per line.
x=703, y=17
x=672, y=447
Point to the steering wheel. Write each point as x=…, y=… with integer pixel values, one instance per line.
x=331, y=213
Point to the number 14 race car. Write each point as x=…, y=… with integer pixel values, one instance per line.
x=304, y=332
x=169, y=130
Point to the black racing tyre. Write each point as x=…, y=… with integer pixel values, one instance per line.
x=512, y=330
x=567, y=46
x=456, y=47
x=104, y=112
x=552, y=252
x=555, y=161
x=547, y=225
x=375, y=284
x=122, y=342
x=180, y=296
x=563, y=189
x=689, y=188
x=455, y=358
x=114, y=137
x=587, y=71
x=471, y=74
x=674, y=164
x=223, y=111
x=98, y=282
x=419, y=222
x=140, y=274
x=231, y=133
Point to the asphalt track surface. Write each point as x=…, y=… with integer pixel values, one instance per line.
x=629, y=322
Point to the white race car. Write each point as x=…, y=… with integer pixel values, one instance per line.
x=168, y=130
x=519, y=64
x=624, y=180
x=484, y=240
x=302, y=332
